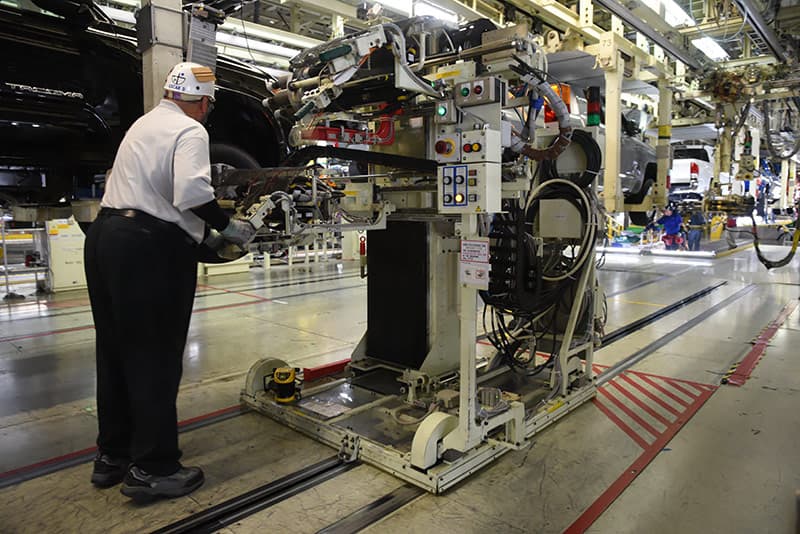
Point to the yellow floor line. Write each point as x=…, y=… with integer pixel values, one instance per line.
x=734, y=250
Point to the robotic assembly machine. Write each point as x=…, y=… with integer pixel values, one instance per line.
x=465, y=209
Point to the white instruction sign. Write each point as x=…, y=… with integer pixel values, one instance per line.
x=475, y=250
x=474, y=266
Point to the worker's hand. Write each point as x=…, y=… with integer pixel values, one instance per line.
x=239, y=232
x=517, y=144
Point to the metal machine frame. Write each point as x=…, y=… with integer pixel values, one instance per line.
x=451, y=440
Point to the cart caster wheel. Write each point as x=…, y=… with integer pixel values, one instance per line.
x=258, y=372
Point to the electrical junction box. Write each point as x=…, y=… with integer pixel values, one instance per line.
x=747, y=162
x=358, y=199
x=447, y=148
x=481, y=91
x=559, y=219
x=480, y=146
x=470, y=188
x=445, y=112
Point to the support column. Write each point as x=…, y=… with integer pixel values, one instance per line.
x=337, y=26
x=468, y=434
x=660, y=191
x=612, y=188
x=792, y=180
x=165, y=25
x=294, y=22
x=722, y=160
x=785, y=202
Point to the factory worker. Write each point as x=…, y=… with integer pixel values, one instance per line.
x=141, y=270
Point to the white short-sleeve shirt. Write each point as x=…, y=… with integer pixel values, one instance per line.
x=162, y=168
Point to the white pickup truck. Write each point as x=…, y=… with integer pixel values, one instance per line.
x=692, y=169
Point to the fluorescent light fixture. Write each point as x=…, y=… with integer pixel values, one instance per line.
x=233, y=25
x=258, y=57
x=261, y=46
x=401, y=6
x=710, y=48
x=120, y=15
x=674, y=15
x=424, y=8
x=129, y=3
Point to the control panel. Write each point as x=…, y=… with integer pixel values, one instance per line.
x=445, y=112
x=481, y=146
x=447, y=147
x=481, y=91
x=469, y=188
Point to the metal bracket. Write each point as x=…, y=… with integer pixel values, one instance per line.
x=350, y=447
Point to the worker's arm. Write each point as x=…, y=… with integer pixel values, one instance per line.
x=191, y=169
x=212, y=214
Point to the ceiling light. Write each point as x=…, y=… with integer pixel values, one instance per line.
x=257, y=57
x=272, y=34
x=674, y=15
x=120, y=15
x=401, y=6
x=253, y=44
x=710, y=48
x=424, y=8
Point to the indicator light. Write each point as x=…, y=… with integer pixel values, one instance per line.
x=476, y=147
x=478, y=89
x=468, y=147
x=464, y=91
x=459, y=198
x=441, y=110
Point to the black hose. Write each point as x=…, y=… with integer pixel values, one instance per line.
x=594, y=159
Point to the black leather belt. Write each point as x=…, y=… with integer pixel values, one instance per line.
x=148, y=220
x=129, y=213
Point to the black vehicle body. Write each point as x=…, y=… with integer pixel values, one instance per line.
x=70, y=87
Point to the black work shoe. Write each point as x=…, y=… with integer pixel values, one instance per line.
x=143, y=487
x=108, y=471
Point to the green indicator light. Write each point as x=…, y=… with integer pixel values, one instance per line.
x=593, y=119
x=442, y=111
x=464, y=91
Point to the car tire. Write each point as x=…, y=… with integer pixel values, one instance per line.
x=233, y=156
x=641, y=218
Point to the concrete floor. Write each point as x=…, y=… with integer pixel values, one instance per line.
x=734, y=467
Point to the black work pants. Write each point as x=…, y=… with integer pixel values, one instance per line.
x=142, y=275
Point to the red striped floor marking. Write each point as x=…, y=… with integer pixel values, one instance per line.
x=639, y=390
x=745, y=368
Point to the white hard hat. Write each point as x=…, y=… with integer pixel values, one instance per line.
x=191, y=79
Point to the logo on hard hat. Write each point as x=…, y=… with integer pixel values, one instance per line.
x=178, y=79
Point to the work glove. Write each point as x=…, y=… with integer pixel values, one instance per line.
x=517, y=144
x=239, y=232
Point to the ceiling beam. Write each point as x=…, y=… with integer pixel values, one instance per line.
x=712, y=29
x=335, y=7
x=678, y=52
x=761, y=27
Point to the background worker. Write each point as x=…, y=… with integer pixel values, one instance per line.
x=696, y=224
x=671, y=220
x=141, y=271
